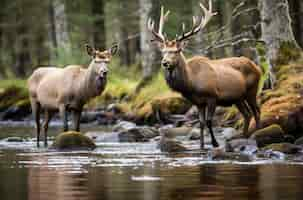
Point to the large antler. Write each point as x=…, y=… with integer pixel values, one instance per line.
x=151, y=25
x=208, y=14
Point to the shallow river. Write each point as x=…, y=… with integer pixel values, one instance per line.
x=136, y=171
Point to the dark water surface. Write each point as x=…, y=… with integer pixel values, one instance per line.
x=137, y=171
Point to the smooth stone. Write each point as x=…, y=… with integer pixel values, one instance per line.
x=138, y=134
x=229, y=133
x=299, y=141
x=241, y=145
x=14, y=139
x=124, y=126
x=171, y=145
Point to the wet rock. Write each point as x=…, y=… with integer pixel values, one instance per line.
x=269, y=135
x=89, y=116
x=161, y=107
x=172, y=132
x=17, y=111
x=73, y=140
x=220, y=154
x=230, y=133
x=299, y=141
x=14, y=139
x=287, y=148
x=124, y=126
x=138, y=134
x=171, y=145
x=106, y=118
x=248, y=146
x=289, y=138
x=194, y=134
x=270, y=154
x=103, y=136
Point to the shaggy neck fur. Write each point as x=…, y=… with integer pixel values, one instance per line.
x=177, y=78
x=88, y=84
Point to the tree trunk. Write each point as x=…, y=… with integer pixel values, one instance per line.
x=22, y=51
x=226, y=9
x=128, y=28
x=277, y=31
x=99, y=34
x=149, y=54
x=296, y=12
x=60, y=25
x=51, y=27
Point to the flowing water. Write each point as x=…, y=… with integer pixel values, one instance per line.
x=135, y=171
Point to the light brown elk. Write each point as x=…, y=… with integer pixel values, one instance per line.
x=205, y=82
x=67, y=89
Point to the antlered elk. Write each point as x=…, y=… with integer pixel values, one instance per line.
x=205, y=82
x=67, y=89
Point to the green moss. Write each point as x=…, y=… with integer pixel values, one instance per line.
x=265, y=66
x=231, y=113
x=288, y=51
x=12, y=95
x=274, y=129
x=73, y=140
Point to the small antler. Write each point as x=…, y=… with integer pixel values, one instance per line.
x=208, y=14
x=151, y=25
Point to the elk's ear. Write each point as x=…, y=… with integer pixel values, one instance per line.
x=90, y=50
x=181, y=45
x=113, y=50
x=159, y=45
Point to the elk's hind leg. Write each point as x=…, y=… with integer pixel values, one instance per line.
x=76, y=119
x=63, y=115
x=246, y=113
x=252, y=103
x=35, y=105
x=211, y=108
x=202, y=124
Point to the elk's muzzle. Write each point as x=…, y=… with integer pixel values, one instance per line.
x=166, y=65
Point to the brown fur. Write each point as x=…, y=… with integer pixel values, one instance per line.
x=67, y=89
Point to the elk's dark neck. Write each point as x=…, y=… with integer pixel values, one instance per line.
x=88, y=85
x=177, y=79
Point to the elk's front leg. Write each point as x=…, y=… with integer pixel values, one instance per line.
x=211, y=108
x=76, y=119
x=63, y=115
x=202, y=124
x=47, y=117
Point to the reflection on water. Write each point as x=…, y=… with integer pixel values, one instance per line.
x=140, y=171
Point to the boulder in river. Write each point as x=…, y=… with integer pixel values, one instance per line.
x=73, y=140
x=138, y=134
x=248, y=146
x=287, y=148
x=299, y=141
x=171, y=145
x=124, y=126
x=269, y=135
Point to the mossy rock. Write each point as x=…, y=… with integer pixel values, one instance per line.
x=287, y=148
x=12, y=95
x=268, y=135
x=17, y=111
x=288, y=51
x=160, y=107
x=73, y=140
